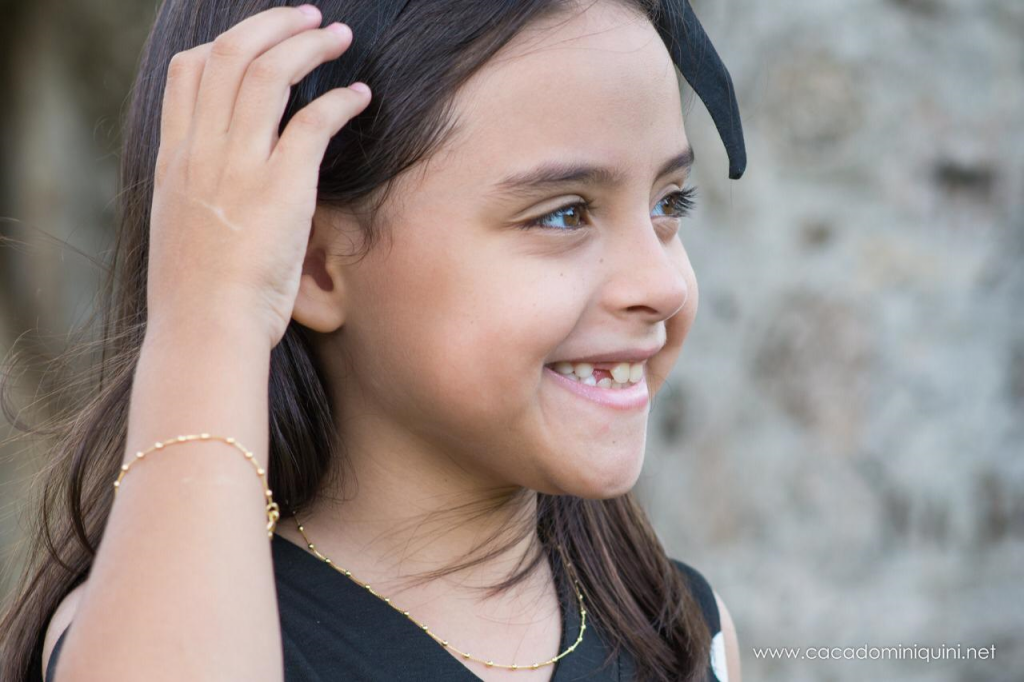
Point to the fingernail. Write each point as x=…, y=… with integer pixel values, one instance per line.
x=309, y=9
x=338, y=27
x=361, y=87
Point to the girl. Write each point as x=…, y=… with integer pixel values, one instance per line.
x=454, y=297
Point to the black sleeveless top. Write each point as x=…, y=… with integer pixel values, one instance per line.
x=334, y=630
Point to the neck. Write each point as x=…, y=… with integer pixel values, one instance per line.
x=394, y=514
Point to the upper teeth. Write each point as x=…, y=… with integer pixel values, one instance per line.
x=622, y=373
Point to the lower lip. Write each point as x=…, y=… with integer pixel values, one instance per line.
x=629, y=398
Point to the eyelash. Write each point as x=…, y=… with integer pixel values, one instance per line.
x=681, y=201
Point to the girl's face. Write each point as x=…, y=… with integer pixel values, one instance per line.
x=448, y=326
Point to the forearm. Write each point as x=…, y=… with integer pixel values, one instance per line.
x=182, y=585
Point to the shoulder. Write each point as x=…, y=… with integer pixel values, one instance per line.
x=702, y=591
x=725, y=652
x=59, y=622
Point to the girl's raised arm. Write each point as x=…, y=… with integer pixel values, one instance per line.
x=182, y=586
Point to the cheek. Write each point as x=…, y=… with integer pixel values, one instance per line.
x=504, y=316
x=464, y=337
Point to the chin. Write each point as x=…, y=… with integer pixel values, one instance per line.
x=601, y=476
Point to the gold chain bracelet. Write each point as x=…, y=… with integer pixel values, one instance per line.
x=273, y=512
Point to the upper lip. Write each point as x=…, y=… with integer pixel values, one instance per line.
x=623, y=355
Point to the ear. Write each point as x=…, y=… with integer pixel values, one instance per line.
x=321, y=301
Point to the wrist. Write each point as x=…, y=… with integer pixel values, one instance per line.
x=210, y=325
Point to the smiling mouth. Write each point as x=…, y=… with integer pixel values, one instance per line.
x=629, y=396
x=611, y=375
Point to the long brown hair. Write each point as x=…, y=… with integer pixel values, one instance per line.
x=414, y=69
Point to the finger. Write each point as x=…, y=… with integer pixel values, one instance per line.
x=269, y=79
x=230, y=56
x=304, y=140
x=184, y=72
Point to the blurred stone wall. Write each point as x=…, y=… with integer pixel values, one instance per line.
x=840, y=449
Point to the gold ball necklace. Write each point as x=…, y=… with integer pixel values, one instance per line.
x=444, y=642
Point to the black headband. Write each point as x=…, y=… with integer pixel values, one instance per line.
x=687, y=43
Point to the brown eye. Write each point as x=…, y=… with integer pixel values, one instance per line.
x=571, y=214
x=680, y=203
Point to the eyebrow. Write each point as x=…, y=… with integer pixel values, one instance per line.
x=558, y=174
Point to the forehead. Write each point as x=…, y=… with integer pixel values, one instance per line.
x=597, y=85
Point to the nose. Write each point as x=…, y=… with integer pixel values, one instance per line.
x=647, y=273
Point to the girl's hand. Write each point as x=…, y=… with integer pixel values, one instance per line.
x=233, y=203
